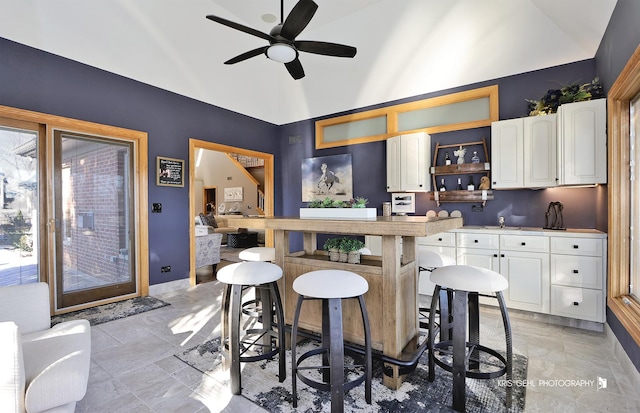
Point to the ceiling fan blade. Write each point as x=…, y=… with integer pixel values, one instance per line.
x=240, y=27
x=295, y=69
x=298, y=19
x=247, y=55
x=324, y=48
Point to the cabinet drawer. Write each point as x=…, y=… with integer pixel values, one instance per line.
x=524, y=243
x=577, y=271
x=576, y=246
x=476, y=240
x=443, y=239
x=576, y=302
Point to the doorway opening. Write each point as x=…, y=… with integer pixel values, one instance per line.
x=238, y=181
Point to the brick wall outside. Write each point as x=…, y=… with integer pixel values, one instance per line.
x=96, y=182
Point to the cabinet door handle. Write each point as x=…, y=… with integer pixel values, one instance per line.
x=576, y=303
x=495, y=255
x=575, y=271
x=475, y=240
x=575, y=247
x=523, y=243
x=502, y=255
x=439, y=239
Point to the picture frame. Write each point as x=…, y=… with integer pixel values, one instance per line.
x=327, y=176
x=403, y=203
x=233, y=194
x=169, y=171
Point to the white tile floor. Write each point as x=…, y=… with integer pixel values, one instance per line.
x=133, y=368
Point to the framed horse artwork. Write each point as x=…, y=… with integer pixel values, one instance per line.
x=327, y=176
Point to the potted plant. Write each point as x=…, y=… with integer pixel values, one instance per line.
x=332, y=245
x=351, y=247
x=359, y=202
x=328, y=208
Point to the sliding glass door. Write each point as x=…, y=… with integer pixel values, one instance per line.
x=19, y=212
x=95, y=231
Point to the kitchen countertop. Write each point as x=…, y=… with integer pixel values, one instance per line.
x=508, y=230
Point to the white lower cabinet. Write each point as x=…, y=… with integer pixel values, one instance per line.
x=479, y=250
x=578, y=268
x=524, y=261
x=528, y=276
x=552, y=273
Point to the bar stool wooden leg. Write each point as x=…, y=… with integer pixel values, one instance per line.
x=275, y=297
x=367, y=353
x=294, y=340
x=432, y=330
x=224, y=327
x=459, y=349
x=234, y=336
x=336, y=349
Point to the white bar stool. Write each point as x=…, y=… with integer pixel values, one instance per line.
x=331, y=286
x=253, y=307
x=233, y=346
x=466, y=282
x=258, y=254
x=427, y=262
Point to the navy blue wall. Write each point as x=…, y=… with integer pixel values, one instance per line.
x=519, y=207
x=42, y=82
x=619, y=43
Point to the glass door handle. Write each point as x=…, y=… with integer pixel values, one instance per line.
x=52, y=225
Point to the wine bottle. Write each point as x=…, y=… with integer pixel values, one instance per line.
x=471, y=186
x=447, y=160
x=459, y=187
x=442, y=188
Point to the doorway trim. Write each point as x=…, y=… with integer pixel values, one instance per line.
x=269, y=194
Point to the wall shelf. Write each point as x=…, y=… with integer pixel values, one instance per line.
x=462, y=196
x=483, y=168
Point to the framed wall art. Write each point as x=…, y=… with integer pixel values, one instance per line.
x=327, y=176
x=233, y=194
x=170, y=172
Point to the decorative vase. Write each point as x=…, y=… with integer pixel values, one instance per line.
x=344, y=256
x=354, y=257
x=334, y=255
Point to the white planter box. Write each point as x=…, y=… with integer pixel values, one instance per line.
x=338, y=213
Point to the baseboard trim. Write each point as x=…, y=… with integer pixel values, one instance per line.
x=169, y=287
x=629, y=368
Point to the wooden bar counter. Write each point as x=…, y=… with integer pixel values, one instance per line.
x=393, y=277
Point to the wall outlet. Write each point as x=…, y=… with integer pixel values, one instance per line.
x=476, y=208
x=166, y=268
x=156, y=207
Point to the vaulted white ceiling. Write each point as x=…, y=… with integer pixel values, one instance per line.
x=405, y=47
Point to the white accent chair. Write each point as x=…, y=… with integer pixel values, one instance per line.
x=42, y=368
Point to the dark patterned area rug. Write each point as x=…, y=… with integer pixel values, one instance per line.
x=260, y=384
x=113, y=311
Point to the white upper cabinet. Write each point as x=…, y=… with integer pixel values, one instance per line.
x=540, y=151
x=523, y=152
x=407, y=162
x=507, y=146
x=582, y=143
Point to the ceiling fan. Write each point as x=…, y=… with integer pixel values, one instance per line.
x=283, y=46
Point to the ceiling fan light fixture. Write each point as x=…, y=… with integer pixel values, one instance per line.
x=282, y=53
